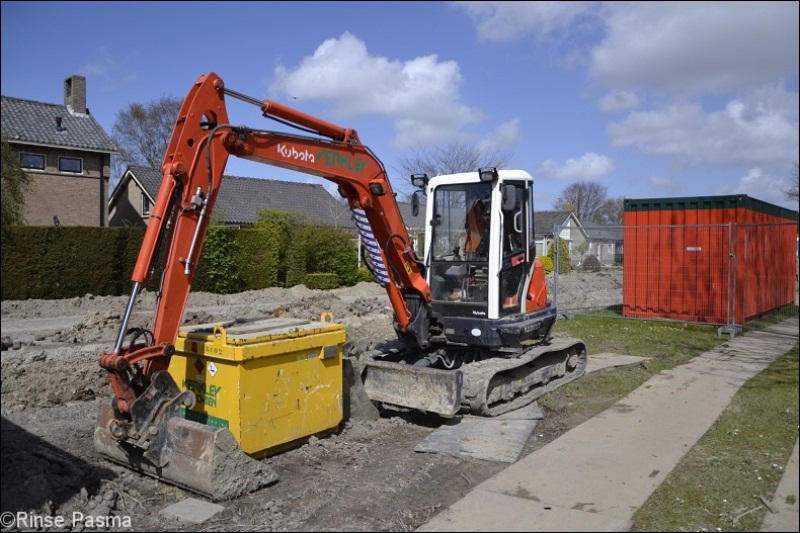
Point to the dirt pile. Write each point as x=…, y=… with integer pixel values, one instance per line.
x=366, y=477
x=583, y=291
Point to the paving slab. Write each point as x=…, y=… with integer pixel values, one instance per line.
x=785, y=512
x=603, y=360
x=192, y=510
x=595, y=477
x=489, y=439
x=483, y=510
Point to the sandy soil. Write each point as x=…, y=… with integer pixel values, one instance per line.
x=365, y=477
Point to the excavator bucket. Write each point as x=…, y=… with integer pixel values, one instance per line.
x=199, y=458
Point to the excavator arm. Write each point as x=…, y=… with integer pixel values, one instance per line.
x=141, y=426
x=193, y=167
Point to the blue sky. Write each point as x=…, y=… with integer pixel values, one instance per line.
x=650, y=99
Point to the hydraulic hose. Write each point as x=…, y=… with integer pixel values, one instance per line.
x=371, y=245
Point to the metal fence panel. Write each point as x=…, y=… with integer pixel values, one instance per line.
x=677, y=273
x=765, y=272
x=731, y=275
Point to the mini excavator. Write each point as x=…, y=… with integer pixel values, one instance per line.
x=473, y=318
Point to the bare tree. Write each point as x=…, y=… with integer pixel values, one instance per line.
x=611, y=212
x=793, y=191
x=338, y=209
x=142, y=132
x=585, y=199
x=452, y=158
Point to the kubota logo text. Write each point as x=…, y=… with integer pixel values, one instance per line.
x=290, y=152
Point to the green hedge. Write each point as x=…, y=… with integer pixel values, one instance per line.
x=63, y=262
x=66, y=262
x=364, y=274
x=321, y=281
x=563, y=255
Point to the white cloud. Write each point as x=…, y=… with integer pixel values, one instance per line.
x=708, y=80
x=675, y=47
x=761, y=185
x=589, y=166
x=502, y=138
x=760, y=128
x=504, y=21
x=691, y=47
x=421, y=96
x=618, y=100
x=661, y=183
x=109, y=69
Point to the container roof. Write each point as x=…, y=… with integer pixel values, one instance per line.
x=709, y=202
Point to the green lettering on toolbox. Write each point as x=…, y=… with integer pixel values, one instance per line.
x=204, y=418
x=206, y=395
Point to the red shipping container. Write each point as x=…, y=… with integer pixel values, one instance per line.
x=717, y=259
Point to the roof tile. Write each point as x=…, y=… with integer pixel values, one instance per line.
x=28, y=121
x=240, y=198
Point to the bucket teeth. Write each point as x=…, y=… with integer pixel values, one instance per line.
x=204, y=460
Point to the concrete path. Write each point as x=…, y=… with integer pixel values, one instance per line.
x=785, y=513
x=595, y=477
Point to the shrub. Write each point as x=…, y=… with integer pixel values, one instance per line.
x=219, y=254
x=258, y=259
x=563, y=255
x=321, y=280
x=283, y=229
x=591, y=264
x=363, y=274
x=321, y=249
x=547, y=263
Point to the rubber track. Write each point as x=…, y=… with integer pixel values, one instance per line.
x=498, y=385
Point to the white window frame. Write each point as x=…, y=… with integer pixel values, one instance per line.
x=147, y=206
x=80, y=160
x=44, y=161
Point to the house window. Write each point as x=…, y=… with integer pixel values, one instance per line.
x=145, y=206
x=31, y=161
x=70, y=164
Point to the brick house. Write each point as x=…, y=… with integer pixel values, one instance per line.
x=67, y=154
x=237, y=204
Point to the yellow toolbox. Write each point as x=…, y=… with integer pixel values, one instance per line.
x=273, y=382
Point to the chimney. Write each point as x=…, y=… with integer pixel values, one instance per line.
x=75, y=93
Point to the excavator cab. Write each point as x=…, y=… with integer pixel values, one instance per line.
x=480, y=251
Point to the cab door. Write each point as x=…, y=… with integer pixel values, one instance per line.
x=515, y=248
